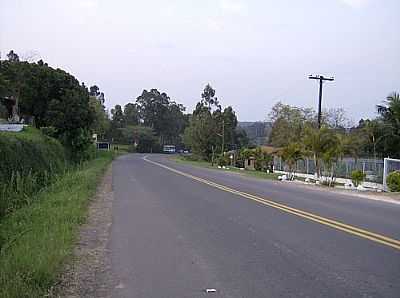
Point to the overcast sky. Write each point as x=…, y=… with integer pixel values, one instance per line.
x=253, y=52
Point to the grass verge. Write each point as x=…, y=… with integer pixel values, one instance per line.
x=38, y=237
x=205, y=164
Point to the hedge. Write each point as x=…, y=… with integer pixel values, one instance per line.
x=29, y=161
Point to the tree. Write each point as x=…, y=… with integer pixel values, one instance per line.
x=291, y=153
x=336, y=118
x=211, y=131
x=201, y=134
x=131, y=114
x=94, y=91
x=390, y=115
x=288, y=123
x=208, y=98
x=230, y=124
x=316, y=143
x=334, y=151
x=12, y=57
x=117, y=117
x=101, y=123
x=140, y=138
x=241, y=138
x=226, y=123
x=72, y=117
x=369, y=132
x=163, y=115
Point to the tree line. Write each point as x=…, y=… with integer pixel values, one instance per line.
x=154, y=120
x=378, y=137
x=54, y=101
x=48, y=98
x=295, y=132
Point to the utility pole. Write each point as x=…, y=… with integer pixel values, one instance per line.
x=321, y=80
x=223, y=136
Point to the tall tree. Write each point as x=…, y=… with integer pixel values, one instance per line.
x=211, y=131
x=163, y=115
x=208, y=98
x=201, y=134
x=288, y=123
x=117, y=117
x=12, y=56
x=101, y=123
x=131, y=114
x=72, y=117
x=336, y=118
x=94, y=91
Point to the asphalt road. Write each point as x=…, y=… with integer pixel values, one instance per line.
x=179, y=230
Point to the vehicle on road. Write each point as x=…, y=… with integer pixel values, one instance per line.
x=169, y=149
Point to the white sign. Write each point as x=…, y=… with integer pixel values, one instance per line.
x=11, y=127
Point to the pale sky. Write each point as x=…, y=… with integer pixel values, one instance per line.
x=252, y=52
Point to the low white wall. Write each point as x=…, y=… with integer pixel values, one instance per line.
x=339, y=180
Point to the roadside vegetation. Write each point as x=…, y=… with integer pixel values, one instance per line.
x=294, y=130
x=205, y=164
x=213, y=136
x=48, y=171
x=393, y=181
x=29, y=162
x=36, y=239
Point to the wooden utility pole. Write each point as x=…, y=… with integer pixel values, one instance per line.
x=223, y=136
x=321, y=80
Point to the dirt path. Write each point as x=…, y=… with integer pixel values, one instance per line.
x=88, y=274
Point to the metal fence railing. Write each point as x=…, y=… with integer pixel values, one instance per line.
x=373, y=168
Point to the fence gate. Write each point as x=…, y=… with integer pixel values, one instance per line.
x=389, y=165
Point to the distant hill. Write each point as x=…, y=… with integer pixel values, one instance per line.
x=258, y=132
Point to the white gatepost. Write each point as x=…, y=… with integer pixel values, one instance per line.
x=387, y=169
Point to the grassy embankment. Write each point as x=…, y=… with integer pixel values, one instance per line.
x=205, y=164
x=29, y=161
x=38, y=236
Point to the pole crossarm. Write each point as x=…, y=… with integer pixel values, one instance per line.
x=319, y=77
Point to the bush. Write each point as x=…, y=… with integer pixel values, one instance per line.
x=29, y=161
x=223, y=160
x=192, y=157
x=357, y=177
x=393, y=181
x=49, y=131
x=131, y=149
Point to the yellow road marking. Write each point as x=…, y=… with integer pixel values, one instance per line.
x=307, y=215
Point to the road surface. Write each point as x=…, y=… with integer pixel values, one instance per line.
x=179, y=230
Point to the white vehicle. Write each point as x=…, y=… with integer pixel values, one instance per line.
x=169, y=149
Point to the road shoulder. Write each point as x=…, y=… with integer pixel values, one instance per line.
x=88, y=274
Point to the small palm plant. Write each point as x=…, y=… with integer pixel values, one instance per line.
x=291, y=154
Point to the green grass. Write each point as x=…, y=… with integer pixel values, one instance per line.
x=29, y=161
x=39, y=237
x=205, y=164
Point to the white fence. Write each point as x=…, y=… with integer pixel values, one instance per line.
x=373, y=168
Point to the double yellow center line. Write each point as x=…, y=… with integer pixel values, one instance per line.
x=394, y=243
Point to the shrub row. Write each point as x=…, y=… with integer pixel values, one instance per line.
x=29, y=161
